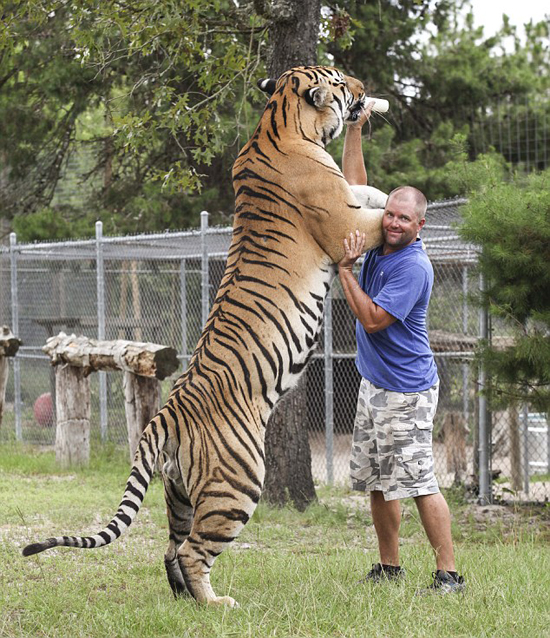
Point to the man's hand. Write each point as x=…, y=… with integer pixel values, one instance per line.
x=353, y=249
x=371, y=316
x=363, y=116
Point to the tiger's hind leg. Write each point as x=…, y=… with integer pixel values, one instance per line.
x=180, y=519
x=217, y=522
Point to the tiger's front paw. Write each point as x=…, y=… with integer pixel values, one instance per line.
x=368, y=196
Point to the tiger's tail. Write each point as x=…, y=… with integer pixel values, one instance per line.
x=149, y=448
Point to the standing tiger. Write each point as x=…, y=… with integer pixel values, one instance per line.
x=293, y=209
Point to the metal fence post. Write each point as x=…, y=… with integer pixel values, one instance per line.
x=329, y=390
x=485, y=492
x=205, y=287
x=100, y=268
x=525, y=431
x=15, y=330
x=465, y=365
x=183, y=302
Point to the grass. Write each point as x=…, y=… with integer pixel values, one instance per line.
x=294, y=574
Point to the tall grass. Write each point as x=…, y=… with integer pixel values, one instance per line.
x=294, y=574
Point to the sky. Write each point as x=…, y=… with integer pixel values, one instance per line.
x=488, y=13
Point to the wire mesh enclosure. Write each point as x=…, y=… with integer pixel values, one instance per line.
x=159, y=288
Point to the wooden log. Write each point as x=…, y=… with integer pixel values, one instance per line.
x=455, y=430
x=72, y=438
x=9, y=345
x=144, y=359
x=141, y=403
x=442, y=341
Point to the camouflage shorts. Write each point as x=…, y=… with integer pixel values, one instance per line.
x=392, y=442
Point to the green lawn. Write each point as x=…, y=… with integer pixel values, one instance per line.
x=293, y=574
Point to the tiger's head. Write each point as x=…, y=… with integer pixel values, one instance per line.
x=320, y=100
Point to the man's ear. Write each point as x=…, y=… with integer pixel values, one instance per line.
x=318, y=96
x=267, y=85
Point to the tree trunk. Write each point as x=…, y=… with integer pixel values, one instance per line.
x=293, y=34
x=288, y=456
x=72, y=437
x=141, y=403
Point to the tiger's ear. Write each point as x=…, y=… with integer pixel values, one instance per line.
x=267, y=85
x=318, y=96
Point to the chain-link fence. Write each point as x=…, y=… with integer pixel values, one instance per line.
x=159, y=288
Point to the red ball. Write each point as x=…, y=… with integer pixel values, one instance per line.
x=43, y=410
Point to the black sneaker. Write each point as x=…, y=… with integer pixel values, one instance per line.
x=383, y=572
x=445, y=583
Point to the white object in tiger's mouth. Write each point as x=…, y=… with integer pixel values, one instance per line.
x=379, y=106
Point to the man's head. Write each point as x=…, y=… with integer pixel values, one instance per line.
x=404, y=216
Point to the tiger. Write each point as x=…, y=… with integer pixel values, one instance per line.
x=293, y=208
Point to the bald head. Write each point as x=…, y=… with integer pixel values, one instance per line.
x=410, y=194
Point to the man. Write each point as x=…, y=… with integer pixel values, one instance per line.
x=392, y=442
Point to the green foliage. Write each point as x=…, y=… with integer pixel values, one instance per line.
x=156, y=87
x=444, y=79
x=43, y=90
x=49, y=224
x=140, y=108
x=510, y=221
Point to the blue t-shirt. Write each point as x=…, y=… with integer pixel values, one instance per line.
x=398, y=358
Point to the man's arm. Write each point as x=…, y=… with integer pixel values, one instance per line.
x=353, y=164
x=372, y=317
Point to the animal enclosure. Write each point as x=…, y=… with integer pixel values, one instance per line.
x=159, y=288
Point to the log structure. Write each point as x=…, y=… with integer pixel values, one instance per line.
x=75, y=358
x=9, y=345
x=143, y=359
x=461, y=344
x=72, y=436
x=141, y=403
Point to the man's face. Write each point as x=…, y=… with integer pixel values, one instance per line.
x=400, y=224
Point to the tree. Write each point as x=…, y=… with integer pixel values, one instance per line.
x=151, y=102
x=163, y=80
x=43, y=91
x=293, y=33
x=444, y=78
x=510, y=220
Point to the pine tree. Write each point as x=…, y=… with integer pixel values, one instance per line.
x=510, y=221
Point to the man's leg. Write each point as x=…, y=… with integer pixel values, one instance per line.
x=386, y=516
x=436, y=519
